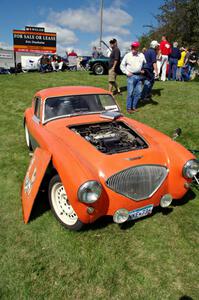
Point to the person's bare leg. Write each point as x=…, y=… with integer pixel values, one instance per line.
x=115, y=85
x=110, y=87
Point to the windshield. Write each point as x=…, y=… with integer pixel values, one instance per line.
x=78, y=105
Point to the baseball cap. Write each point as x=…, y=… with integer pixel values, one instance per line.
x=135, y=44
x=154, y=44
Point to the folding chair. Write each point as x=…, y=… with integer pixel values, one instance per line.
x=72, y=63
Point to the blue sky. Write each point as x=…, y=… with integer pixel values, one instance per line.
x=77, y=22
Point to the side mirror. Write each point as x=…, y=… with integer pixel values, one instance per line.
x=177, y=133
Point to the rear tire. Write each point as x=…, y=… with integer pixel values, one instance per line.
x=61, y=207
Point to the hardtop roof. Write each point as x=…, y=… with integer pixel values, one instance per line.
x=70, y=90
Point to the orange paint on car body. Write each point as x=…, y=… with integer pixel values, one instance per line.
x=77, y=160
x=32, y=181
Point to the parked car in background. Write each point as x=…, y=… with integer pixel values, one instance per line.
x=30, y=63
x=4, y=71
x=84, y=62
x=99, y=66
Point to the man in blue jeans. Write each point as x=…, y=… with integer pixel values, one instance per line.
x=131, y=65
x=151, y=70
x=174, y=56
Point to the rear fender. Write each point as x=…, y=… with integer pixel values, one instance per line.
x=32, y=181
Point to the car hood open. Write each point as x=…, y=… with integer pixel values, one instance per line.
x=105, y=165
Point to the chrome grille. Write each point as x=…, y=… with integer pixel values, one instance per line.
x=138, y=183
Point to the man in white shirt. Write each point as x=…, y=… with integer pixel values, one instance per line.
x=131, y=65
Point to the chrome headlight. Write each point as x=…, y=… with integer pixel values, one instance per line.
x=191, y=168
x=89, y=192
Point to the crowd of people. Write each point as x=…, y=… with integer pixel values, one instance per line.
x=177, y=63
x=161, y=61
x=57, y=63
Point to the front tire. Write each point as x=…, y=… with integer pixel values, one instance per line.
x=61, y=207
x=98, y=69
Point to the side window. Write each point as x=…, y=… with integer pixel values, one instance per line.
x=37, y=107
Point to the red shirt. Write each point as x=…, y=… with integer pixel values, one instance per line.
x=72, y=54
x=165, y=48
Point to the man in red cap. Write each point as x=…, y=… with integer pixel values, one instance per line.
x=131, y=65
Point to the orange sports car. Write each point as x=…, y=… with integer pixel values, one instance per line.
x=97, y=161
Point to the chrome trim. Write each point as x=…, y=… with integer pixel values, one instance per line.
x=120, y=182
x=134, y=158
x=70, y=116
x=36, y=119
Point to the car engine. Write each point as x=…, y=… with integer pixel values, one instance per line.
x=110, y=137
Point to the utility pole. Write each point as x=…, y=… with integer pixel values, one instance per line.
x=101, y=22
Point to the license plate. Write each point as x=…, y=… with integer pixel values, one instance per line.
x=141, y=212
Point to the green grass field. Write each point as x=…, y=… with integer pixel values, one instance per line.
x=155, y=258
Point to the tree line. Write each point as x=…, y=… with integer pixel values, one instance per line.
x=179, y=21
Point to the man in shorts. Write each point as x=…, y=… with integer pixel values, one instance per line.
x=114, y=64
